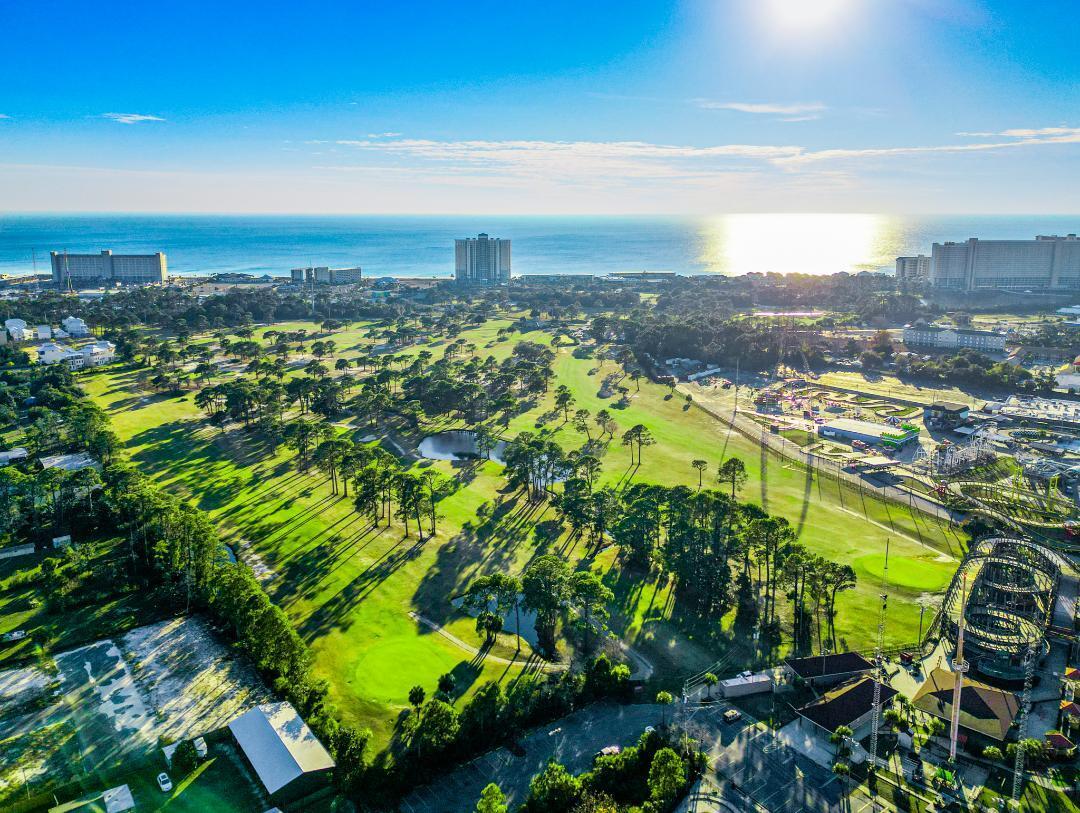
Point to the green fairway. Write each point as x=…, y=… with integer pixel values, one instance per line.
x=349, y=587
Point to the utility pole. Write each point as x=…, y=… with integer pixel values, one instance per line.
x=879, y=661
x=960, y=667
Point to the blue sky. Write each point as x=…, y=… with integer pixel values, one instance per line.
x=922, y=106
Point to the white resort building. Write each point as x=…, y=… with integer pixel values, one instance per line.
x=92, y=355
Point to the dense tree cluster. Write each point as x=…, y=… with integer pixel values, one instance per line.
x=973, y=369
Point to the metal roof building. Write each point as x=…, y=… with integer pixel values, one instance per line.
x=286, y=756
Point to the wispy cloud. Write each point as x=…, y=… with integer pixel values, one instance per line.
x=574, y=161
x=1018, y=137
x=4, y=116
x=383, y=135
x=765, y=108
x=1025, y=132
x=621, y=162
x=130, y=118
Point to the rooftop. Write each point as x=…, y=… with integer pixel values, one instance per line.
x=845, y=704
x=876, y=430
x=950, y=406
x=842, y=663
x=114, y=800
x=279, y=745
x=983, y=709
x=68, y=462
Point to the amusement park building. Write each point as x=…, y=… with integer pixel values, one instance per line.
x=873, y=433
x=985, y=711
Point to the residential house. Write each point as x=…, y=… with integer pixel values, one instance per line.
x=75, y=326
x=18, y=329
x=56, y=353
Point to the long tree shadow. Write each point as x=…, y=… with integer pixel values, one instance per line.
x=808, y=488
x=337, y=612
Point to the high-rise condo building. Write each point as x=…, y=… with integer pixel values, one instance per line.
x=913, y=269
x=482, y=260
x=88, y=270
x=1047, y=263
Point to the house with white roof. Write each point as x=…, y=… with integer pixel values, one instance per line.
x=56, y=353
x=17, y=328
x=98, y=353
x=91, y=355
x=44, y=332
x=75, y=326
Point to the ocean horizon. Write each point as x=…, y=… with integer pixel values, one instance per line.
x=422, y=246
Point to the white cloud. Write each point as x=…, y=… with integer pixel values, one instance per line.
x=571, y=160
x=4, y=116
x=384, y=135
x=130, y=118
x=622, y=162
x=1021, y=137
x=764, y=108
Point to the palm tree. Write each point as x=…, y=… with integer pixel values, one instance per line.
x=710, y=681
x=416, y=698
x=664, y=699
x=838, y=737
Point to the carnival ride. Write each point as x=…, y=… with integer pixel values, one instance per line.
x=1007, y=605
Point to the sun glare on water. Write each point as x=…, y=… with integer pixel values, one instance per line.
x=797, y=243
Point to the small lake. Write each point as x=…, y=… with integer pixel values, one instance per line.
x=458, y=444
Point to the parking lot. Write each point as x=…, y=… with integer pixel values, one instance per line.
x=572, y=741
x=750, y=761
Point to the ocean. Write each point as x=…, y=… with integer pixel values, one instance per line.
x=415, y=246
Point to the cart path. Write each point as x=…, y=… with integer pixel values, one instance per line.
x=642, y=667
x=434, y=626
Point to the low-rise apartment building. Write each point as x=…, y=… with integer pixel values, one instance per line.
x=953, y=338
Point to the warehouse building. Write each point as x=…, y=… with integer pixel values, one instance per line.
x=875, y=434
x=286, y=756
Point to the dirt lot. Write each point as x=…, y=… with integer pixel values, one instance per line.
x=118, y=698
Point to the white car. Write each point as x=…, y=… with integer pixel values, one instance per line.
x=164, y=782
x=200, y=747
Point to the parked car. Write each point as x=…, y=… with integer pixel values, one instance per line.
x=732, y=716
x=607, y=751
x=200, y=747
x=164, y=782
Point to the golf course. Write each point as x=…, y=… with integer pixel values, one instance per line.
x=374, y=604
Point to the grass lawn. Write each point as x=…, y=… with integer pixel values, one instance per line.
x=23, y=607
x=890, y=386
x=349, y=587
x=1033, y=797
x=219, y=784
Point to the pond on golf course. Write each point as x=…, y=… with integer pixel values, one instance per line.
x=457, y=444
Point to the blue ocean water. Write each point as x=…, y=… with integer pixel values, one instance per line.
x=407, y=246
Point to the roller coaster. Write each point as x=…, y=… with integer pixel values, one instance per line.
x=1046, y=517
x=1012, y=588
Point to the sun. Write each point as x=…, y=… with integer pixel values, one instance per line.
x=803, y=16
